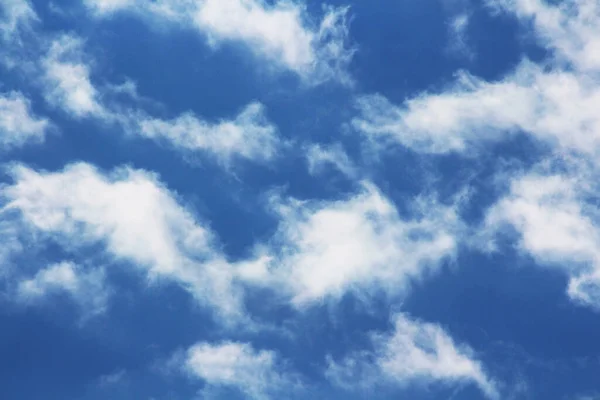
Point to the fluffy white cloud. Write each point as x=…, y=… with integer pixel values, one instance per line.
x=557, y=225
x=281, y=32
x=86, y=288
x=415, y=352
x=323, y=250
x=67, y=81
x=18, y=124
x=257, y=374
x=136, y=219
x=249, y=135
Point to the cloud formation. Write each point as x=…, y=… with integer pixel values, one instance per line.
x=258, y=374
x=134, y=217
x=67, y=79
x=323, y=250
x=571, y=28
x=250, y=135
x=414, y=352
x=67, y=85
x=18, y=124
x=86, y=288
x=281, y=32
x=557, y=225
x=554, y=107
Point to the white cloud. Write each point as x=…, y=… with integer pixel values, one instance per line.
x=86, y=288
x=15, y=14
x=556, y=225
x=319, y=157
x=250, y=135
x=18, y=124
x=257, y=374
x=571, y=28
x=281, y=32
x=67, y=85
x=556, y=107
x=556, y=104
x=323, y=250
x=136, y=219
x=415, y=352
x=66, y=79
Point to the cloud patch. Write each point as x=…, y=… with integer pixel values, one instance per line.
x=557, y=225
x=86, y=288
x=281, y=32
x=249, y=135
x=323, y=250
x=18, y=124
x=258, y=374
x=135, y=218
x=415, y=352
x=67, y=81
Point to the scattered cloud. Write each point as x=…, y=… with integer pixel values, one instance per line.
x=414, y=353
x=555, y=103
x=458, y=32
x=320, y=157
x=67, y=79
x=249, y=135
x=322, y=250
x=557, y=225
x=67, y=84
x=571, y=28
x=135, y=218
x=18, y=124
x=281, y=32
x=86, y=288
x=258, y=374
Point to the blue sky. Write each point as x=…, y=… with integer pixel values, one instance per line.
x=286, y=199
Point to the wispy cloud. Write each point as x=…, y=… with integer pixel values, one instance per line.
x=281, y=32
x=555, y=107
x=15, y=15
x=570, y=28
x=250, y=135
x=67, y=85
x=258, y=374
x=555, y=104
x=87, y=288
x=67, y=82
x=18, y=124
x=321, y=157
x=415, y=352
